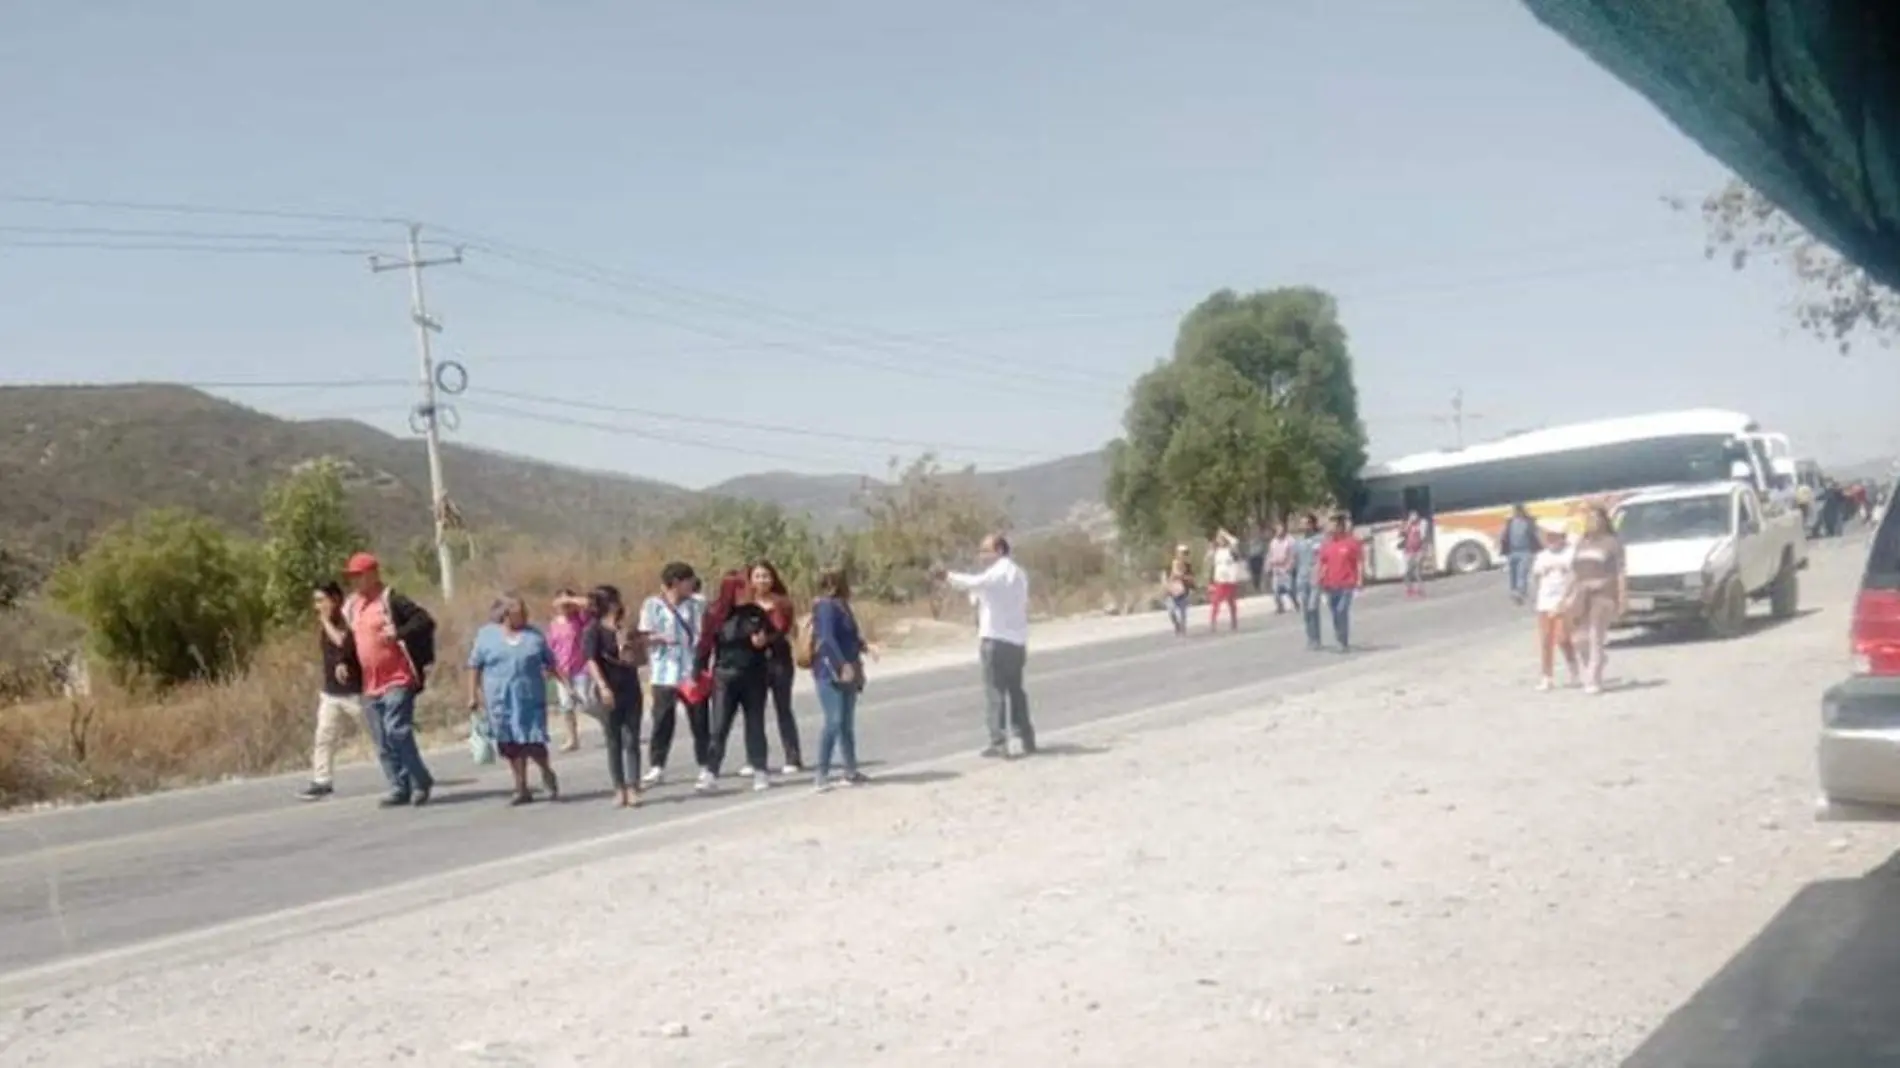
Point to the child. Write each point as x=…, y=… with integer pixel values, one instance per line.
x=1551, y=575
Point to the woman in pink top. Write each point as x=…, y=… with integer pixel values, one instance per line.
x=572, y=684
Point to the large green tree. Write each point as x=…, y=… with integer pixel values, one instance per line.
x=1256, y=415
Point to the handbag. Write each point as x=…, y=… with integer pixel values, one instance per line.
x=481, y=747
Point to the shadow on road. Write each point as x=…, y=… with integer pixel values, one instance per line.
x=1819, y=987
x=1755, y=624
x=914, y=778
x=1071, y=749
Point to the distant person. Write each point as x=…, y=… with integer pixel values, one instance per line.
x=614, y=653
x=395, y=644
x=1280, y=568
x=1600, y=591
x=1306, y=588
x=1001, y=593
x=739, y=656
x=340, y=690
x=509, y=666
x=1521, y=541
x=1341, y=568
x=769, y=592
x=1412, y=543
x=1228, y=573
x=573, y=686
x=671, y=623
x=837, y=670
x=1257, y=558
x=1178, y=584
x=1551, y=575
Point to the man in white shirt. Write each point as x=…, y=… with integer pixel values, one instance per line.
x=1001, y=593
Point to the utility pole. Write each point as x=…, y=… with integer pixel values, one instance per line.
x=1457, y=417
x=427, y=415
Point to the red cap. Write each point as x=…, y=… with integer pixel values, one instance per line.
x=361, y=564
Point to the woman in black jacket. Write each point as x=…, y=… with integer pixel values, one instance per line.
x=740, y=659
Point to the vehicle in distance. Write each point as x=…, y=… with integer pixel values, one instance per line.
x=1467, y=493
x=1859, y=752
x=1695, y=556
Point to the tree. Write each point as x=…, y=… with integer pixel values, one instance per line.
x=169, y=597
x=923, y=517
x=1254, y=417
x=735, y=532
x=1835, y=299
x=308, y=536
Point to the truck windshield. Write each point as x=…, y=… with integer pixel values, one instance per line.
x=1684, y=517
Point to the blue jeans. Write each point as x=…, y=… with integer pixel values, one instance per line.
x=841, y=726
x=391, y=716
x=1178, y=612
x=1309, y=599
x=1520, y=563
x=1340, y=603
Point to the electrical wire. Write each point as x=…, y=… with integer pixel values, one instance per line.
x=664, y=437
x=120, y=246
x=162, y=208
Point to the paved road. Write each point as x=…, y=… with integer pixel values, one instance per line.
x=77, y=882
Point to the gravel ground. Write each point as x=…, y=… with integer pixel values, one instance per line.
x=1423, y=862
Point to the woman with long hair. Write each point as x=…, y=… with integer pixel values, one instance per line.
x=769, y=592
x=1599, y=591
x=508, y=671
x=736, y=648
x=614, y=653
x=837, y=670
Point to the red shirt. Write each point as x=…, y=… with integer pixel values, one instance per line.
x=385, y=662
x=1340, y=561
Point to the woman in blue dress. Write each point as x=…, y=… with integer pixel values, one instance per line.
x=509, y=667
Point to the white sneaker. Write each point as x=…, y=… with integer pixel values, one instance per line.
x=793, y=769
x=706, y=781
x=761, y=781
x=653, y=777
x=1544, y=684
x=747, y=770
x=1592, y=688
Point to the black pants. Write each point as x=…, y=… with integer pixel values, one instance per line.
x=783, y=675
x=735, y=696
x=621, y=724
x=666, y=703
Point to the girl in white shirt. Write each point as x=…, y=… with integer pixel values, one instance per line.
x=1551, y=575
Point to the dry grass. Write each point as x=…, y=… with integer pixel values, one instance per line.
x=116, y=743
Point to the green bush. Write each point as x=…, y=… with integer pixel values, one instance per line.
x=169, y=597
x=308, y=536
x=735, y=532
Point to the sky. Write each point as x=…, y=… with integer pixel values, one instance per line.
x=740, y=235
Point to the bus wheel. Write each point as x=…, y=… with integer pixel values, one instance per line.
x=1466, y=558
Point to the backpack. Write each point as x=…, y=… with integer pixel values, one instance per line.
x=805, y=644
x=419, y=646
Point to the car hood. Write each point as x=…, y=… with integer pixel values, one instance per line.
x=1679, y=557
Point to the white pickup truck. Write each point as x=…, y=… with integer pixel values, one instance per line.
x=1696, y=555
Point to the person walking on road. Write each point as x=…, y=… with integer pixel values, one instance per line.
x=1306, y=590
x=671, y=622
x=1599, y=591
x=1257, y=558
x=509, y=666
x=1550, y=573
x=614, y=653
x=394, y=640
x=1280, y=568
x=340, y=694
x=1001, y=592
x=573, y=685
x=742, y=636
x=1521, y=541
x=1412, y=546
x=1341, y=564
x=838, y=650
x=1229, y=572
x=768, y=591
x=1178, y=583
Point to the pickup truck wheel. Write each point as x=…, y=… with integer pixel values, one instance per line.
x=1784, y=597
x=1467, y=558
x=1729, y=611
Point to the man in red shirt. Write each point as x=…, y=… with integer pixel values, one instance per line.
x=1341, y=565
x=395, y=643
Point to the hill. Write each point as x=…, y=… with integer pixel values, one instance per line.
x=75, y=459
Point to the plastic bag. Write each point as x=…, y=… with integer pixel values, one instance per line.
x=481, y=747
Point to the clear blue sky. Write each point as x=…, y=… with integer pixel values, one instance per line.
x=1041, y=188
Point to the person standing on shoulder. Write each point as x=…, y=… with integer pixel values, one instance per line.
x=1229, y=572
x=1521, y=540
x=395, y=644
x=670, y=622
x=1412, y=547
x=340, y=695
x=1599, y=591
x=1306, y=590
x=1341, y=565
x=572, y=683
x=739, y=656
x=1001, y=593
x=838, y=650
x=1280, y=567
x=768, y=590
x=1178, y=583
x=614, y=654
x=1257, y=558
x=1551, y=574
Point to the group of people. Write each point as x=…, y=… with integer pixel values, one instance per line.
x=1312, y=571
x=716, y=662
x=1578, y=589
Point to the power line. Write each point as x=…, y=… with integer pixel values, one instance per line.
x=187, y=235
x=162, y=208
x=767, y=428
x=620, y=428
x=121, y=246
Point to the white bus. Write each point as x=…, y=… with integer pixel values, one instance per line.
x=1467, y=494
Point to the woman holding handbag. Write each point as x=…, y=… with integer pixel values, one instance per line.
x=838, y=650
